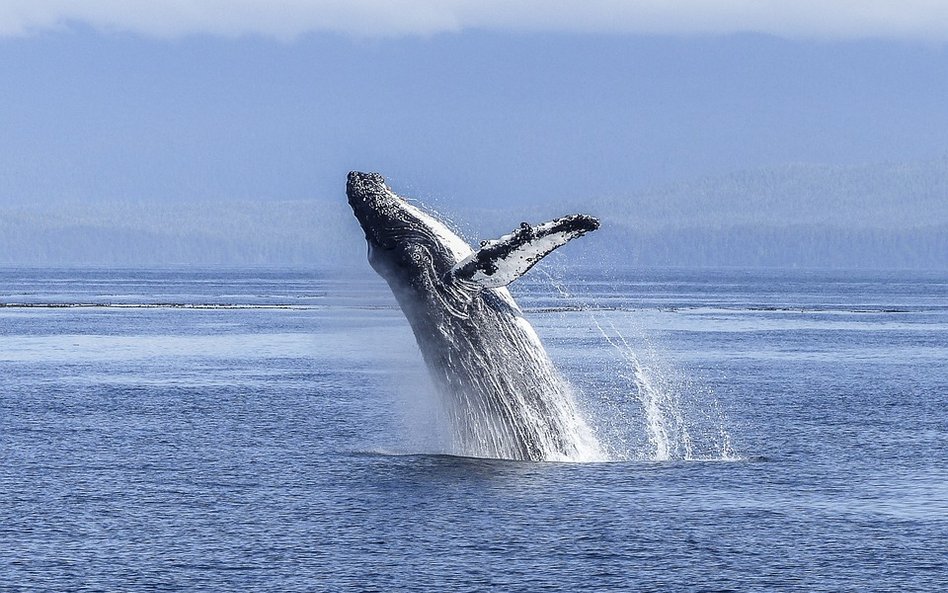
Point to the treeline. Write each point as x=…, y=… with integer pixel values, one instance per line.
x=781, y=247
x=337, y=244
x=900, y=195
x=134, y=234
x=878, y=216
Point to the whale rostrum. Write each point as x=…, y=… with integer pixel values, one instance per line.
x=503, y=395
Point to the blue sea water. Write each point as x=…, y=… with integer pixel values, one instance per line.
x=273, y=430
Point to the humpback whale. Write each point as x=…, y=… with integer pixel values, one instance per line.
x=503, y=395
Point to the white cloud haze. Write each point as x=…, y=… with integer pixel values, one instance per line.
x=285, y=19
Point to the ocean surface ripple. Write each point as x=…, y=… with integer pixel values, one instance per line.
x=274, y=430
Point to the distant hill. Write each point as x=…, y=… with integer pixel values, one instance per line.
x=890, y=216
x=149, y=233
x=878, y=216
x=892, y=196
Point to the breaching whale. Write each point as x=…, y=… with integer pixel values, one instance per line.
x=503, y=394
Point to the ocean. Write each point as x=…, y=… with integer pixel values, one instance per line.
x=275, y=430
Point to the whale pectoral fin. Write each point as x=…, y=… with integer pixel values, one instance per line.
x=498, y=263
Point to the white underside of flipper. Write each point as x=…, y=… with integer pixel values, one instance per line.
x=498, y=263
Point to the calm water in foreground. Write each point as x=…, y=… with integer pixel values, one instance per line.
x=769, y=432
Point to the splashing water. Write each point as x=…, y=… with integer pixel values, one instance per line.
x=680, y=419
x=650, y=411
x=521, y=408
x=678, y=425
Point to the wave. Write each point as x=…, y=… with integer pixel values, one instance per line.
x=155, y=306
x=454, y=457
x=183, y=305
x=739, y=309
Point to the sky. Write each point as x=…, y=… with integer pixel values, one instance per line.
x=489, y=103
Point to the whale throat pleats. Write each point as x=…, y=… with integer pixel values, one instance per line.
x=498, y=263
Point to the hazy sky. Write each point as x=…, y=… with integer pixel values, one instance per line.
x=908, y=19
x=482, y=101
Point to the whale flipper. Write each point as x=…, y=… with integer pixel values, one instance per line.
x=501, y=261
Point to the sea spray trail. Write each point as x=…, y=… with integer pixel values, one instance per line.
x=673, y=427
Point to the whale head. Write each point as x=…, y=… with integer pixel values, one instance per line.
x=405, y=243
